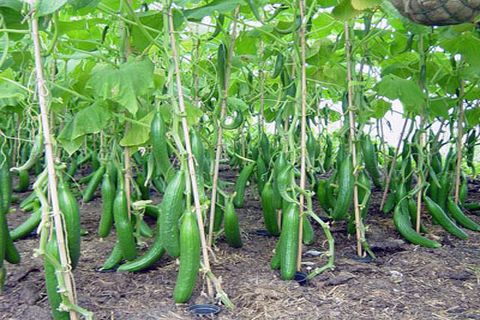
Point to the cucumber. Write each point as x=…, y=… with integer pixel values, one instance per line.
x=23, y=181
x=108, y=197
x=189, y=258
x=230, y=224
x=241, y=185
x=114, y=258
x=123, y=225
x=28, y=226
x=93, y=184
x=322, y=195
x=460, y=217
x=262, y=174
x=153, y=254
x=269, y=211
x=289, y=244
x=345, y=187
x=275, y=262
x=370, y=159
x=51, y=283
x=403, y=225
x=71, y=215
x=158, y=131
x=171, y=209
x=442, y=218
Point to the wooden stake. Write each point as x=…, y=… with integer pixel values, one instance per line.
x=188, y=148
x=303, y=127
x=50, y=162
x=458, y=169
x=353, y=149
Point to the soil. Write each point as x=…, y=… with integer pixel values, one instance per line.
x=404, y=282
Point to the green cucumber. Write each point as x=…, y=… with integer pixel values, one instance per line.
x=269, y=210
x=230, y=224
x=460, y=217
x=189, y=258
x=289, y=246
x=123, y=225
x=442, y=219
x=28, y=226
x=171, y=210
x=345, y=187
x=108, y=196
x=403, y=225
x=93, y=184
x=114, y=258
x=241, y=185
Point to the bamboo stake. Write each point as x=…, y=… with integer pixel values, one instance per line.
x=303, y=127
x=352, y=139
x=458, y=169
x=218, y=146
x=50, y=162
x=188, y=148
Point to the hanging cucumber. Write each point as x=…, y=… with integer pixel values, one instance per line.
x=231, y=123
x=278, y=65
x=403, y=225
x=269, y=210
x=28, y=226
x=345, y=189
x=241, y=185
x=460, y=217
x=171, y=209
x=230, y=224
x=153, y=254
x=108, y=197
x=158, y=137
x=93, y=184
x=322, y=195
x=114, y=258
x=262, y=173
x=289, y=245
x=71, y=215
x=23, y=181
x=189, y=258
x=35, y=154
x=370, y=159
x=442, y=218
x=123, y=225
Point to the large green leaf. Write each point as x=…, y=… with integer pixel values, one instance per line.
x=123, y=85
x=407, y=91
x=10, y=94
x=46, y=7
x=473, y=117
x=221, y=6
x=139, y=132
x=91, y=119
x=12, y=4
x=79, y=4
x=345, y=11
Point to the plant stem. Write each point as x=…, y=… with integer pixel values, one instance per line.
x=218, y=147
x=352, y=139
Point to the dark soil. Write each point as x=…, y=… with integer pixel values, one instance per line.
x=405, y=282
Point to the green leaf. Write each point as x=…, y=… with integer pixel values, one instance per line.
x=123, y=85
x=91, y=119
x=472, y=116
x=407, y=91
x=139, y=132
x=365, y=4
x=439, y=106
x=236, y=104
x=345, y=11
x=46, y=7
x=10, y=94
x=79, y=4
x=12, y=4
x=221, y=6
